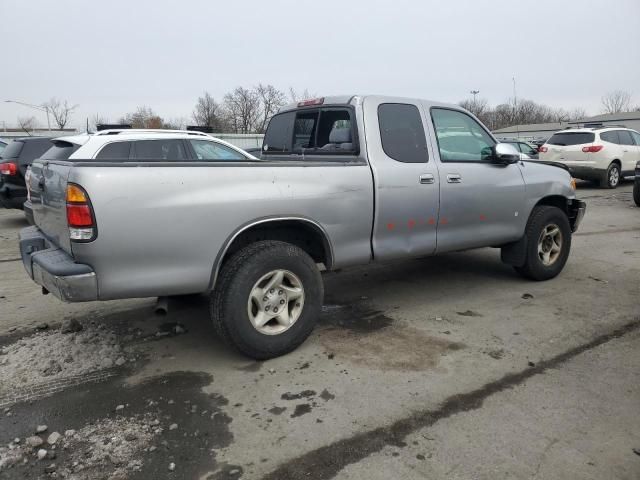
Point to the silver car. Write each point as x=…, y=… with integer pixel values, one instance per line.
x=340, y=181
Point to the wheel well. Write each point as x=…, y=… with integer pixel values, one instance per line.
x=555, y=201
x=617, y=162
x=301, y=233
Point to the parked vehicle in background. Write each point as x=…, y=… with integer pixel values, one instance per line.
x=524, y=148
x=122, y=214
x=16, y=158
x=602, y=154
x=636, y=186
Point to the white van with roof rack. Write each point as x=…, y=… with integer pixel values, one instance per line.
x=605, y=154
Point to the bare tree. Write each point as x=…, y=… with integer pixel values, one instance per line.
x=143, y=117
x=176, y=123
x=479, y=107
x=295, y=96
x=242, y=107
x=271, y=99
x=208, y=112
x=60, y=110
x=28, y=124
x=616, y=101
x=98, y=119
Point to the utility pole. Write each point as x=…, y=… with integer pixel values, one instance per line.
x=44, y=108
x=515, y=107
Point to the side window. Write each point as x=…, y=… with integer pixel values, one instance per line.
x=611, y=137
x=159, y=150
x=115, y=151
x=625, y=137
x=277, y=138
x=304, y=131
x=460, y=137
x=525, y=148
x=636, y=137
x=210, y=150
x=402, y=132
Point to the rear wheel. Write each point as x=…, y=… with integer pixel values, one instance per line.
x=611, y=178
x=636, y=191
x=268, y=299
x=548, y=243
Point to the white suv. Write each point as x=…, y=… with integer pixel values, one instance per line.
x=604, y=154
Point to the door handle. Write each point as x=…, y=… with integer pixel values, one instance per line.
x=426, y=179
x=454, y=178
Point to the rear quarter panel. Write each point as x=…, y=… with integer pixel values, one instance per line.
x=160, y=228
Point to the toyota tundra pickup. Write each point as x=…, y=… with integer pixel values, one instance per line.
x=340, y=181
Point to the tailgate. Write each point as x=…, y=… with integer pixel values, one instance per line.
x=48, y=184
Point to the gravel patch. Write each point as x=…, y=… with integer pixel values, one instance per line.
x=51, y=355
x=110, y=448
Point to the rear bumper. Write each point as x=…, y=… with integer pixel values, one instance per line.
x=28, y=212
x=12, y=196
x=55, y=270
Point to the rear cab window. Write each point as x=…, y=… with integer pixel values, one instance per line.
x=402, y=132
x=566, y=139
x=312, y=131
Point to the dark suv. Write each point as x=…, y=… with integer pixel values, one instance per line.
x=15, y=159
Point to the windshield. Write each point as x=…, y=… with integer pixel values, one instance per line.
x=571, y=138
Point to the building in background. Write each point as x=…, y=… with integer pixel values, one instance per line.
x=531, y=132
x=542, y=131
x=628, y=119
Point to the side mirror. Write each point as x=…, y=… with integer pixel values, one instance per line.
x=504, y=154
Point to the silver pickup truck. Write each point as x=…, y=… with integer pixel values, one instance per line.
x=340, y=181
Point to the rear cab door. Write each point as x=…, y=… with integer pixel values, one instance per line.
x=481, y=203
x=406, y=180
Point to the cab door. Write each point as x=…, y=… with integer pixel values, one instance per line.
x=481, y=203
x=406, y=180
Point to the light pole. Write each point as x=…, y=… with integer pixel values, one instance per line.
x=42, y=109
x=474, y=93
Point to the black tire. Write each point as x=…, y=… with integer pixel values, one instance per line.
x=542, y=217
x=231, y=295
x=636, y=191
x=606, y=181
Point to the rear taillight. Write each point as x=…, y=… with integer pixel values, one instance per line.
x=82, y=225
x=543, y=149
x=8, y=168
x=592, y=148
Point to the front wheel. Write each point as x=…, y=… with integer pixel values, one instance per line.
x=267, y=299
x=548, y=243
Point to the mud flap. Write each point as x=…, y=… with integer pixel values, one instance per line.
x=515, y=253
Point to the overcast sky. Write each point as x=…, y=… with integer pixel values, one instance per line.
x=112, y=56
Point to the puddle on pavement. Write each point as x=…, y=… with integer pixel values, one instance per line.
x=364, y=336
